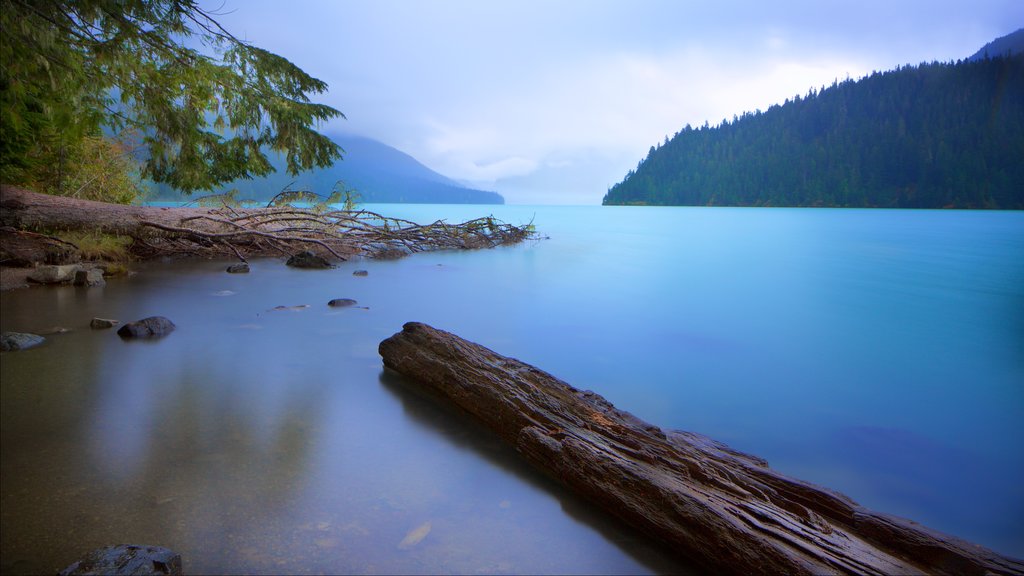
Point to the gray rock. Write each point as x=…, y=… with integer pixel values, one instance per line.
x=308, y=259
x=360, y=273
x=90, y=277
x=12, y=341
x=126, y=559
x=102, y=323
x=54, y=274
x=341, y=302
x=152, y=327
x=241, y=268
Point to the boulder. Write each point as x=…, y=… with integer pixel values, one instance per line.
x=51, y=274
x=360, y=273
x=12, y=341
x=103, y=323
x=91, y=277
x=241, y=268
x=126, y=559
x=341, y=302
x=308, y=259
x=152, y=327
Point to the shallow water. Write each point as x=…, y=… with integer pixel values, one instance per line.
x=880, y=353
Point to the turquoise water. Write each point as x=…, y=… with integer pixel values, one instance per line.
x=876, y=352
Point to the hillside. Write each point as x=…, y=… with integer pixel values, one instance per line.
x=929, y=136
x=1008, y=45
x=377, y=172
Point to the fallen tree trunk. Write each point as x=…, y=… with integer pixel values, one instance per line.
x=722, y=509
x=238, y=231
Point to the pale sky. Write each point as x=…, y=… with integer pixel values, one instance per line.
x=552, y=102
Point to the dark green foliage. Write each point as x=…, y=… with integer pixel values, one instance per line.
x=207, y=105
x=928, y=136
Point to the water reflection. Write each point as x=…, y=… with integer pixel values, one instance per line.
x=262, y=441
x=434, y=416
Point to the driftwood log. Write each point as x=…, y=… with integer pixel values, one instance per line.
x=722, y=509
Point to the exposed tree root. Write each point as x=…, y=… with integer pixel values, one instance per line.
x=245, y=232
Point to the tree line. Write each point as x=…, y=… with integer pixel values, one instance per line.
x=935, y=135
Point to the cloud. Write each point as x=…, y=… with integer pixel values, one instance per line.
x=558, y=100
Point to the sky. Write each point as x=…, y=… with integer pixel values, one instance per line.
x=553, y=102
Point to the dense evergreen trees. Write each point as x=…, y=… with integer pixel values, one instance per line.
x=929, y=136
x=205, y=105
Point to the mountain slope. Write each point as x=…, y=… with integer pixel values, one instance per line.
x=377, y=172
x=928, y=136
x=1008, y=45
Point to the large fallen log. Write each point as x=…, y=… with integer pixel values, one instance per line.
x=722, y=509
x=235, y=231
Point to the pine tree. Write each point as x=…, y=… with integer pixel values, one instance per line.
x=71, y=69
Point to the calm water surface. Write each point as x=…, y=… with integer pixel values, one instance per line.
x=880, y=353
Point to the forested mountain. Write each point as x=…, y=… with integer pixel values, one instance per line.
x=375, y=171
x=928, y=136
x=1008, y=45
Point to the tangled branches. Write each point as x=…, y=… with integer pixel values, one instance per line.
x=338, y=233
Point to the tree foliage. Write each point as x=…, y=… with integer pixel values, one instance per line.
x=207, y=106
x=929, y=136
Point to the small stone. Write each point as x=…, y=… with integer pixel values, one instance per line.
x=360, y=273
x=308, y=259
x=152, y=327
x=341, y=302
x=54, y=274
x=127, y=559
x=102, y=323
x=92, y=277
x=13, y=341
x=241, y=268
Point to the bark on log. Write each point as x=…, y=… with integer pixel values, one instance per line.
x=725, y=510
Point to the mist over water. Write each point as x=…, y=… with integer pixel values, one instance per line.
x=879, y=353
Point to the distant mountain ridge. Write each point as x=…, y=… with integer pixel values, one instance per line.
x=1008, y=45
x=376, y=172
x=929, y=136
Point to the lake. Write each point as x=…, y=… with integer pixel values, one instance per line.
x=876, y=352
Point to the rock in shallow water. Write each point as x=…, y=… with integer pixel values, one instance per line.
x=360, y=273
x=341, y=302
x=91, y=277
x=242, y=268
x=101, y=323
x=54, y=274
x=308, y=259
x=152, y=327
x=126, y=559
x=13, y=341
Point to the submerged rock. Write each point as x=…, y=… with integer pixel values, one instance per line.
x=51, y=274
x=308, y=259
x=91, y=277
x=241, y=268
x=152, y=327
x=360, y=273
x=126, y=559
x=341, y=302
x=102, y=323
x=12, y=341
